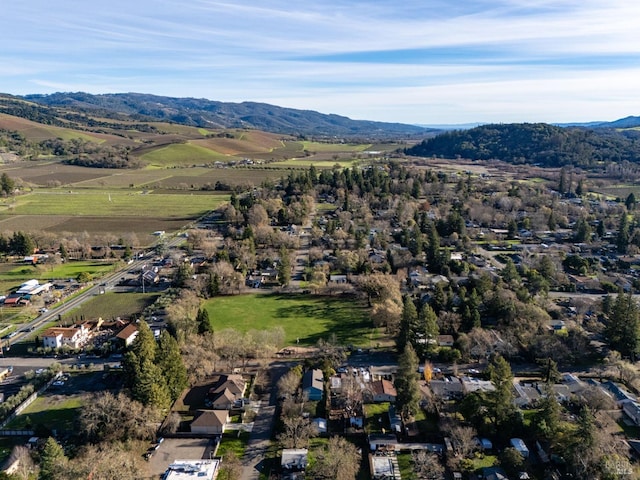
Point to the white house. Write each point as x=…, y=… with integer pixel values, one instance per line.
x=57, y=337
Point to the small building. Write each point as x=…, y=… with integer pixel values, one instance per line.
x=210, y=422
x=313, y=384
x=294, y=459
x=189, y=469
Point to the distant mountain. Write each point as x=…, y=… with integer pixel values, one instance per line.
x=211, y=114
x=627, y=122
x=534, y=143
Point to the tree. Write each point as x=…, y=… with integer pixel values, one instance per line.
x=142, y=374
x=511, y=460
x=501, y=407
x=112, y=418
x=623, y=326
x=231, y=467
x=339, y=460
x=169, y=360
x=406, y=383
x=52, y=461
x=622, y=240
x=296, y=431
x=630, y=201
x=427, y=465
x=427, y=332
x=7, y=185
x=204, y=323
x=284, y=267
x=408, y=324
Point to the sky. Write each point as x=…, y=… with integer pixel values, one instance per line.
x=411, y=61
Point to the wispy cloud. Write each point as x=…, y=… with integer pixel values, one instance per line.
x=414, y=61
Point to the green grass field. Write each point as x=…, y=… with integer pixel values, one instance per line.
x=304, y=317
x=111, y=204
x=52, y=413
x=112, y=305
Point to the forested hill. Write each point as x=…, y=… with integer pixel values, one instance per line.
x=535, y=143
x=211, y=114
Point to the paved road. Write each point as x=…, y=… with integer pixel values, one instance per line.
x=260, y=439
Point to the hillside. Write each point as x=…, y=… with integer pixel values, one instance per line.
x=211, y=114
x=534, y=143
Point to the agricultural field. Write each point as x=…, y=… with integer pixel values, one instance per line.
x=305, y=318
x=181, y=154
x=12, y=275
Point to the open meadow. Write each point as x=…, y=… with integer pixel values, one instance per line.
x=304, y=318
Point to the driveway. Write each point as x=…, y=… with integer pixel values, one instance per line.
x=260, y=438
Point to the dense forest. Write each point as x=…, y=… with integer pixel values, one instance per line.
x=534, y=143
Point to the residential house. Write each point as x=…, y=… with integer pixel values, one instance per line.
x=235, y=384
x=224, y=400
x=127, y=335
x=383, y=391
x=632, y=409
x=445, y=340
x=313, y=384
x=57, y=337
x=210, y=422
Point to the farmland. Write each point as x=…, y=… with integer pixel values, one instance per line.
x=112, y=305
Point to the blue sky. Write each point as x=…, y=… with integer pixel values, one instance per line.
x=415, y=61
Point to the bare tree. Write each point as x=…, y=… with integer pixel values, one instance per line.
x=296, y=431
x=339, y=460
x=427, y=465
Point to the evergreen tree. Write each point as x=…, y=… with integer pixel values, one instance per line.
x=582, y=231
x=203, y=321
x=214, y=285
x=406, y=383
x=63, y=252
x=622, y=241
x=630, y=202
x=428, y=331
x=408, y=324
x=284, y=267
x=52, y=461
x=501, y=407
x=622, y=328
x=170, y=362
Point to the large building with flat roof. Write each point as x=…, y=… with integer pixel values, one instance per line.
x=190, y=469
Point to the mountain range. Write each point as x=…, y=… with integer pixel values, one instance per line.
x=205, y=113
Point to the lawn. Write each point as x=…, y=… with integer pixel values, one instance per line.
x=376, y=417
x=112, y=305
x=235, y=442
x=59, y=413
x=305, y=318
